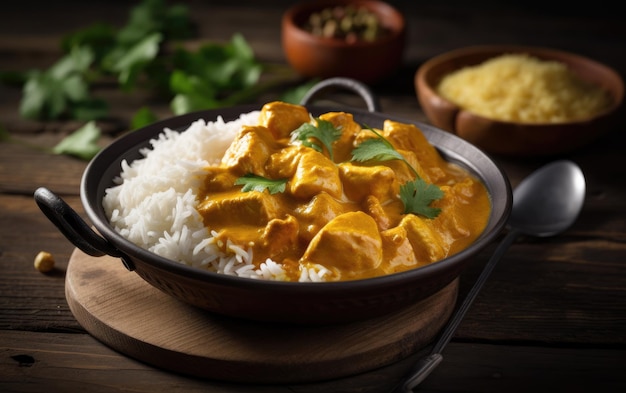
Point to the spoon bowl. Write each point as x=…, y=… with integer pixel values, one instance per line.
x=546, y=203
x=549, y=201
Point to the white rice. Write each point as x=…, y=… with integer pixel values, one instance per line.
x=154, y=202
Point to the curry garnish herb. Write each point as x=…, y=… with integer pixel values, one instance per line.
x=378, y=149
x=252, y=182
x=325, y=133
x=415, y=195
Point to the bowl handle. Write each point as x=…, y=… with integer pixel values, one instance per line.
x=350, y=84
x=74, y=228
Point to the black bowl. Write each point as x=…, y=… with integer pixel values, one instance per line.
x=261, y=300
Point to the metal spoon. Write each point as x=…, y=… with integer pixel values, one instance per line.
x=546, y=203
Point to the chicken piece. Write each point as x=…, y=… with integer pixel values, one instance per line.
x=281, y=118
x=427, y=243
x=397, y=250
x=218, y=179
x=279, y=236
x=249, y=151
x=360, y=181
x=349, y=245
x=316, y=214
x=451, y=222
x=240, y=208
x=342, y=148
x=283, y=163
x=373, y=207
x=315, y=173
x=408, y=137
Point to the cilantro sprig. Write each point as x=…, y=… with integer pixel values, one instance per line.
x=82, y=143
x=318, y=136
x=62, y=90
x=379, y=149
x=252, y=182
x=416, y=195
x=146, y=53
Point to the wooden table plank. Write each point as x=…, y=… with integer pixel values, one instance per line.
x=54, y=362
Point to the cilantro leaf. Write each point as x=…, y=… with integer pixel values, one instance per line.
x=379, y=149
x=227, y=67
x=143, y=117
x=417, y=196
x=81, y=143
x=192, y=93
x=252, y=182
x=53, y=93
x=129, y=62
x=151, y=16
x=375, y=150
x=213, y=76
x=317, y=137
x=99, y=37
x=77, y=61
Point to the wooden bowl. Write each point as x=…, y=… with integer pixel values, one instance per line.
x=515, y=138
x=367, y=61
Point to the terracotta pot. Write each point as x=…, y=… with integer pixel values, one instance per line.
x=368, y=62
x=514, y=138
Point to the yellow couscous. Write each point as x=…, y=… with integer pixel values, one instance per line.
x=523, y=88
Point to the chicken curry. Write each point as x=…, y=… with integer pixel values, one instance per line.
x=308, y=191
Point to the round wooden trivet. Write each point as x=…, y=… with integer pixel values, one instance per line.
x=124, y=312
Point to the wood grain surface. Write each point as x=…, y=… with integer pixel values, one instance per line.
x=551, y=318
x=128, y=314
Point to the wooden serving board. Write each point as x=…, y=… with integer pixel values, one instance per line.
x=129, y=315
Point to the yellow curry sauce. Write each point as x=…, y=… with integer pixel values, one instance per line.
x=344, y=215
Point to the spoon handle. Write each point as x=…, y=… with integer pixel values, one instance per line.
x=426, y=365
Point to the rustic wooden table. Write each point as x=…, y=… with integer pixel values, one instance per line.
x=551, y=318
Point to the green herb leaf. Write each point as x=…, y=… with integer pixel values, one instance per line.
x=51, y=94
x=99, y=37
x=379, y=149
x=129, y=62
x=192, y=93
x=252, y=182
x=151, y=16
x=82, y=143
x=375, y=150
x=417, y=195
x=77, y=61
x=214, y=76
x=143, y=117
x=317, y=137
